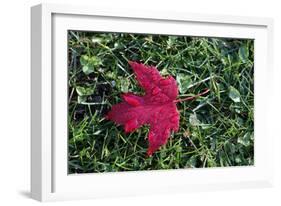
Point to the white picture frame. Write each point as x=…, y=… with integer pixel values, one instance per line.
x=49, y=178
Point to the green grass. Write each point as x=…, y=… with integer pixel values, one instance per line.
x=216, y=130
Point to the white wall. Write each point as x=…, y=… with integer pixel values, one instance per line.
x=14, y=101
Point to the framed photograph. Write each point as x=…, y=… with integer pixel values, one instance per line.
x=140, y=102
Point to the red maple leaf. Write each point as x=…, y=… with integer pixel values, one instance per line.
x=156, y=108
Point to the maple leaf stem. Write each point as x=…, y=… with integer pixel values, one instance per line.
x=193, y=97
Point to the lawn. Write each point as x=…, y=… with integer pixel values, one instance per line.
x=216, y=130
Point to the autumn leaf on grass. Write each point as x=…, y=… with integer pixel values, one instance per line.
x=156, y=108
